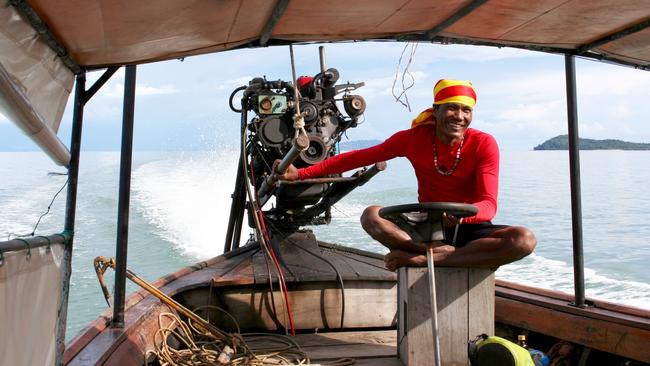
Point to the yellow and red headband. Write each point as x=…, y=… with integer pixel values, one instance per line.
x=447, y=91
x=454, y=91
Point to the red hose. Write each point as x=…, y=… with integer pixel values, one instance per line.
x=283, y=285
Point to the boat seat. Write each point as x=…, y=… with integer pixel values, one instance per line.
x=465, y=299
x=464, y=296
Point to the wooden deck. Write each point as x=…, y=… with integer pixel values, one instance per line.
x=377, y=348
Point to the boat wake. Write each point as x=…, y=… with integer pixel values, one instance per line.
x=187, y=199
x=538, y=271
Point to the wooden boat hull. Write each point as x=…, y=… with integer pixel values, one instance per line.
x=234, y=282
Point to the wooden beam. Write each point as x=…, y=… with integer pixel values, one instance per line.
x=614, y=36
x=460, y=14
x=618, y=339
x=279, y=9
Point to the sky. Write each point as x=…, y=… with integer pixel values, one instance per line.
x=183, y=105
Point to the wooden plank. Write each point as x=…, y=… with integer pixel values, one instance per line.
x=232, y=271
x=402, y=288
x=481, y=301
x=337, y=338
x=623, y=340
x=373, y=346
x=523, y=291
x=465, y=304
x=451, y=299
x=113, y=343
x=302, y=259
x=383, y=361
x=352, y=351
x=315, y=305
x=453, y=320
x=603, y=311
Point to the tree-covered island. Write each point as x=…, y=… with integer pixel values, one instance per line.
x=562, y=143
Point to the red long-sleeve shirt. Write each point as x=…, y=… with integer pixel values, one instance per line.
x=475, y=180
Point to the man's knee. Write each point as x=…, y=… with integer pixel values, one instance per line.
x=522, y=241
x=370, y=220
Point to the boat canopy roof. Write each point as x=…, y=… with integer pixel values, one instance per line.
x=90, y=34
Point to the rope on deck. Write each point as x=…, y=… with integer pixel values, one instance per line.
x=180, y=343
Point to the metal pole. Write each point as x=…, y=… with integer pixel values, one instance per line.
x=574, y=167
x=434, y=305
x=233, y=233
x=321, y=57
x=124, y=196
x=70, y=212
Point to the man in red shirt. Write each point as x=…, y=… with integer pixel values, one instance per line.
x=452, y=163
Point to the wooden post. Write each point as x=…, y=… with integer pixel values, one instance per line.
x=465, y=300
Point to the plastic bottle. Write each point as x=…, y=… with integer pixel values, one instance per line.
x=539, y=357
x=521, y=340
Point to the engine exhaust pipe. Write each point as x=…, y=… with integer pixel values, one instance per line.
x=321, y=56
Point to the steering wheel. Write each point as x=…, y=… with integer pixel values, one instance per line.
x=423, y=221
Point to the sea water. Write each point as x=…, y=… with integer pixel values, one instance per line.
x=180, y=203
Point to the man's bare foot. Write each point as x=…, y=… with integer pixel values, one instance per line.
x=398, y=258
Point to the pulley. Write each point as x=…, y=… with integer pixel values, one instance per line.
x=354, y=105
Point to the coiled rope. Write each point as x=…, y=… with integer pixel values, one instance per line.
x=202, y=343
x=200, y=348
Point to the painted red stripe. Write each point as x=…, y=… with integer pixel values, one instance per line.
x=455, y=90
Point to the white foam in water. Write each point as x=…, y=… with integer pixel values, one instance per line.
x=538, y=271
x=20, y=213
x=188, y=199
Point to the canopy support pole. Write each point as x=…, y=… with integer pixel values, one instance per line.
x=238, y=205
x=124, y=197
x=574, y=168
x=70, y=212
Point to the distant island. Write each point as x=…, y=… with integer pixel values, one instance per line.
x=562, y=143
x=356, y=145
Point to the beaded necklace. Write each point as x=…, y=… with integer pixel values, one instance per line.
x=435, y=158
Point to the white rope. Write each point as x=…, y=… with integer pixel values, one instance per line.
x=398, y=98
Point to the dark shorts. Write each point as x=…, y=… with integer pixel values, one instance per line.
x=469, y=232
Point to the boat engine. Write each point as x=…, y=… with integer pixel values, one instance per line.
x=328, y=110
x=273, y=103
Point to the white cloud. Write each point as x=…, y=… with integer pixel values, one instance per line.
x=536, y=87
x=234, y=83
x=145, y=90
x=532, y=112
x=3, y=119
x=383, y=86
x=620, y=110
x=613, y=81
x=116, y=90
x=593, y=130
x=474, y=53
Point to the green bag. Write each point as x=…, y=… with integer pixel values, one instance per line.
x=496, y=351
